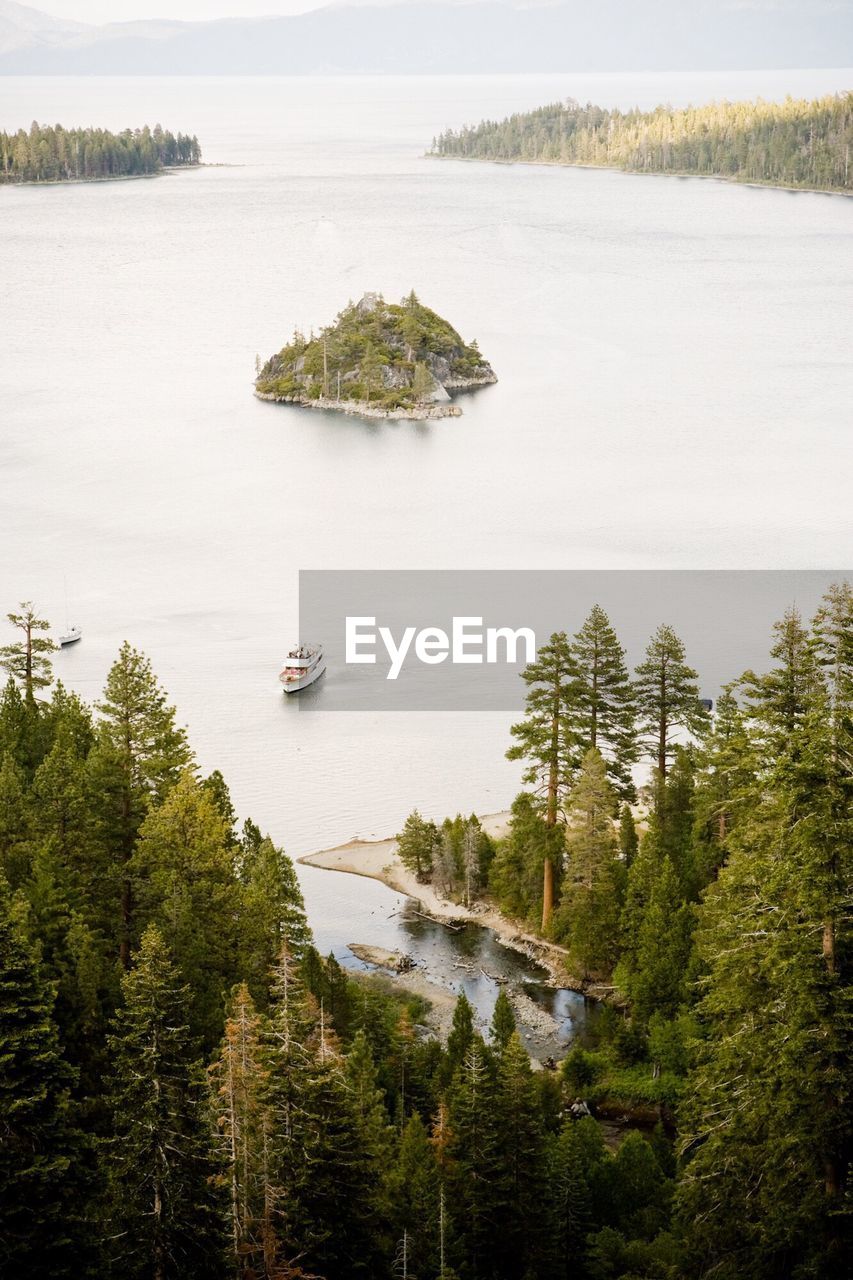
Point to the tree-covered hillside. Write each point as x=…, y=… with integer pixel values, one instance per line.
x=52, y=154
x=188, y=1091
x=399, y=358
x=793, y=143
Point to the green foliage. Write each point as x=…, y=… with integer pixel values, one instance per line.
x=667, y=696
x=28, y=660
x=414, y=1186
x=416, y=845
x=603, y=700
x=794, y=143
x=516, y=875
x=166, y=1210
x=580, y=1069
x=183, y=880
x=588, y=914
x=766, y=1119
x=54, y=154
x=503, y=1021
x=271, y=911
x=653, y=970
x=385, y=354
x=332, y=1136
x=628, y=840
x=14, y=849
x=43, y=1173
x=545, y=737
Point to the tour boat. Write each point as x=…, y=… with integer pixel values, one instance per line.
x=71, y=636
x=302, y=667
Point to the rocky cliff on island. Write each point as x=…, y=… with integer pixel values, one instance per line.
x=381, y=359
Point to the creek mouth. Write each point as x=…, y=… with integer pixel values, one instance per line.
x=455, y=957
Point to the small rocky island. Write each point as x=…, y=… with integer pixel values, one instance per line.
x=380, y=359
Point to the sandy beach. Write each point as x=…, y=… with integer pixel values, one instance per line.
x=378, y=860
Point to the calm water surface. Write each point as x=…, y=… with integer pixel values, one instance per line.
x=674, y=391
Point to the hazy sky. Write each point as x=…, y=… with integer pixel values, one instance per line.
x=189, y=10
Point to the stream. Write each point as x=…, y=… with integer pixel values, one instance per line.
x=345, y=909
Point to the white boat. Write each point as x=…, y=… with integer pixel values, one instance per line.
x=302, y=666
x=71, y=634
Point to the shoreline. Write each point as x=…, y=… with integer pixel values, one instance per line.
x=113, y=177
x=362, y=409
x=649, y=173
x=378, y=860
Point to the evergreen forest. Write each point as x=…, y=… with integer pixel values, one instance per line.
x=190, y=1090
x=48, y=153
x=795, y=143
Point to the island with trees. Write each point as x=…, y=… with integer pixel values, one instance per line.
x=49, y=153
x=378, y=359
x=190, y=1090
x=795, y=143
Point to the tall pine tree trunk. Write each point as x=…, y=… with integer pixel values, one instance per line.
x=126, y=887
x=550, y=821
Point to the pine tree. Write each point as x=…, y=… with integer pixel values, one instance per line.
x=473, y=1150
x=272, y=911
x=461, y=1035
x=167, y=1211
x=238, y=1080
x=15, y=851
x=783, y=696
x=28, y=660
x=588, y=915
x=68, y=717
x=766, y=1120
x=667, y=696
x=655, y=969
x=520, y=1201
x=571, y=1199
x=516, y=875
x=16, y=728
x=832, y=640
x=503, y=1021
x=348, y=1235
x=374, y=1136
x=724, y=782
x=289, y=1063
x=477, y=855
x=415, y=1198
x=416, y=845
x=628, y=840
x=140, y=754
x=184, y=880
x=546, y=740
x=61, y=818
x=423, y=383
x=603, y=700
x=44, y=1180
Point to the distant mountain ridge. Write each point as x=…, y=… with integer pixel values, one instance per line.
x=572, y=35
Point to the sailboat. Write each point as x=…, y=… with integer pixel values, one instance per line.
x=71, y=634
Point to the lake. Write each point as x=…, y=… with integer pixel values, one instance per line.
x=675, y=390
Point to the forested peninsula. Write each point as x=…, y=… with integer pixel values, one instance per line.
x=191, y=1092
x=795, y=143
x=379, y=359
x=49, y=153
